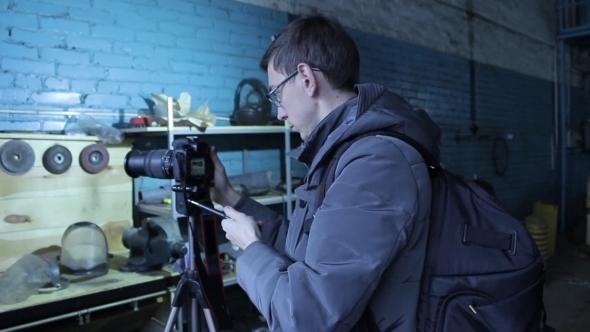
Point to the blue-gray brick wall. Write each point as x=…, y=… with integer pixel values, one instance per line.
x=103, y=56
x=507, y=105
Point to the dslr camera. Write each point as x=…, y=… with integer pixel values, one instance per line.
x=188, y=163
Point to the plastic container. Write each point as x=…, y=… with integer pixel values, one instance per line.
x=25, y=277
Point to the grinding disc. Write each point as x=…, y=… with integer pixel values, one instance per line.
x=57, y=159
x=16, y=157
x=94, y=158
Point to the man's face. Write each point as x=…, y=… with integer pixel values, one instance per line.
x=293, y=104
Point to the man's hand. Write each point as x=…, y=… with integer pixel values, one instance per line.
x=241, y=230
x=222, y=193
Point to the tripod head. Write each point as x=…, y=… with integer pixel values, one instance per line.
x=187, y=193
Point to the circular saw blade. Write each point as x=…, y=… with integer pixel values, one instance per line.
x=94, y=158
x=16, y=157
x=57, y=159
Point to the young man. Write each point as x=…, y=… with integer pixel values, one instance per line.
x=354, y=264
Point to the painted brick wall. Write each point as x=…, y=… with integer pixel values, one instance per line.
x=105, y=56
x=508, y=104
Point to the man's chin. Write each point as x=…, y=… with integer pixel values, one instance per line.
x=294, y=130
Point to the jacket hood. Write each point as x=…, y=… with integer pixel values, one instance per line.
x=374, y=108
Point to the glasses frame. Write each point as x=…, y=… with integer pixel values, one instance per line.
x=274, y=90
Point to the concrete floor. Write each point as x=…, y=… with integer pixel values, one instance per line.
x=567, y=289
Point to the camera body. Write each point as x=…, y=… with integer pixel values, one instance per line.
x=188, y=163
x=192, y=163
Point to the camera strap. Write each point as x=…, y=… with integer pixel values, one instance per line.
x=210, y=273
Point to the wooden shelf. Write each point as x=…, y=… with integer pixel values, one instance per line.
x=216, y=130
x=165, y=210
x=47, y=137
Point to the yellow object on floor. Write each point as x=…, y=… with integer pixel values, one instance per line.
x=548, y=213
x=539, y=230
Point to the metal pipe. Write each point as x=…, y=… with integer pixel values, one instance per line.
x=59, y=113
x=556, y=99
x=552, y=151
x=89, y=310
x=170, y=135
x=555, y=134
x=560, y=17
x=574, y=33
x=562, y=134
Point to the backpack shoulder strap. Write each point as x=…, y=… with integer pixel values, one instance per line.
x=330, y=174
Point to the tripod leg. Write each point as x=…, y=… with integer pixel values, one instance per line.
x=195, y=325
x=180, y=295
x=180, y=321
x=171, y=319
x=209, y=320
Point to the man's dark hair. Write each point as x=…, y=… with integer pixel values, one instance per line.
x=321, y=42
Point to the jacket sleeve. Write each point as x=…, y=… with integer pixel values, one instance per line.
x=274, y=225
x=361, y=226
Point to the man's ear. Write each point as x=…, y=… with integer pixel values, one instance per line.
x=308, y=79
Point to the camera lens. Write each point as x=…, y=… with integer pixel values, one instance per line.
x=153, y=164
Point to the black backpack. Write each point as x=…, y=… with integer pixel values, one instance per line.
x=482, y=271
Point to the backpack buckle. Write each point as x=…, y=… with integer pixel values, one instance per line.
x=512, y=249
x=505, y=240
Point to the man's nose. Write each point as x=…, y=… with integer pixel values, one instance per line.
x=281, y=115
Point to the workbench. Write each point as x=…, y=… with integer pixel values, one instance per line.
x=81, y=298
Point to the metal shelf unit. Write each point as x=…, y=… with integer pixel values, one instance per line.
x=172, y=132
x=573, y=19
x=573, y=28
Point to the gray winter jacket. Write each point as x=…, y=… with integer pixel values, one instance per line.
x=364, y=246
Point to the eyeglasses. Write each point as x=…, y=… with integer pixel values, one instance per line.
x=272, y=94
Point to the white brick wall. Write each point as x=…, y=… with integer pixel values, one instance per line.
x=513, y=34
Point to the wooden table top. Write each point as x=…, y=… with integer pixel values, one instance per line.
x=114, y=279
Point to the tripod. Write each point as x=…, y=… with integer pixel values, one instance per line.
x=204, y=288
x=188, y=286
